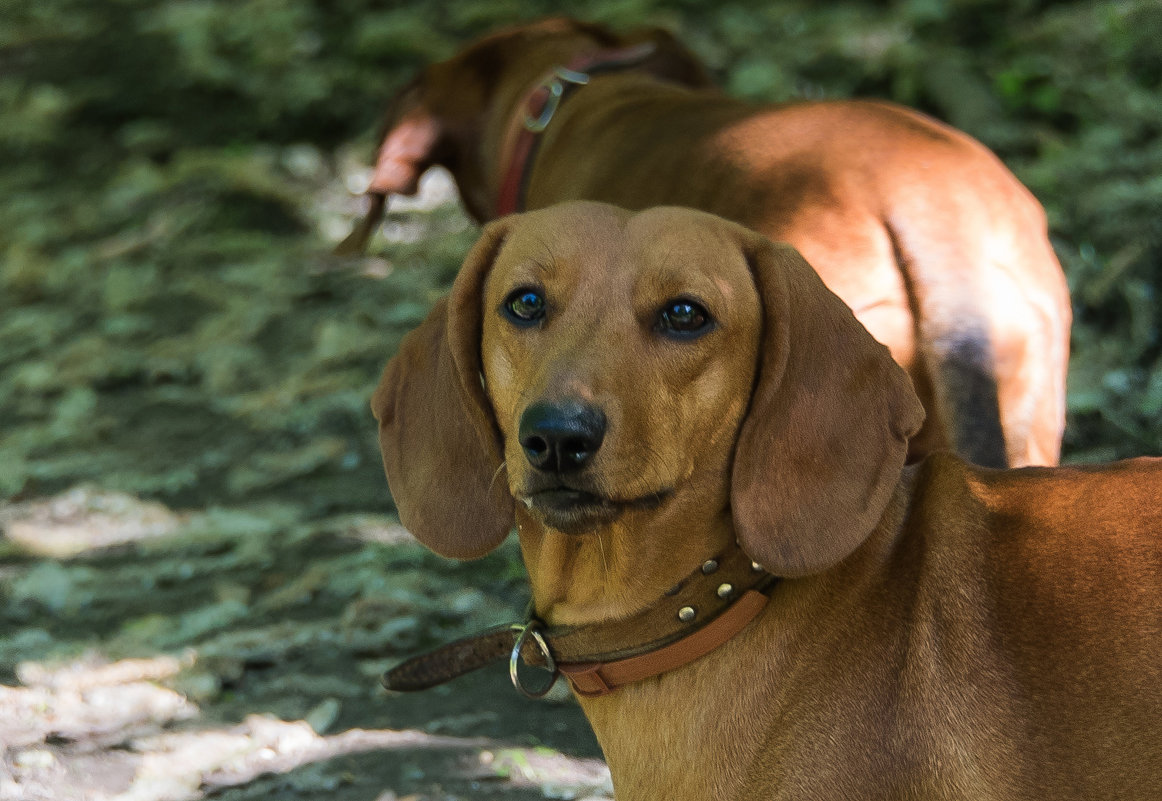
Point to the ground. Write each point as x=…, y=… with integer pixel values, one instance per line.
x=227, y=642
x=230, y=655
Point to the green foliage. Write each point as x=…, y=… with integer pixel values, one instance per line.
x=175, y=172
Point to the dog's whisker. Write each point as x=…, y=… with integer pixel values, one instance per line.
x=601, y=550
x=503, y=467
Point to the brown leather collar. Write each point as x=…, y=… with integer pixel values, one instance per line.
x=536, y=110
x=697, y=615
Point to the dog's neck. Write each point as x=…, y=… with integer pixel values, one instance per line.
x=510, y=144
x=610, y=574
x=619, y=569
x=800, y=615
x=478, y=170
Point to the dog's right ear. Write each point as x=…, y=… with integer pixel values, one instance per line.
x=442, y=449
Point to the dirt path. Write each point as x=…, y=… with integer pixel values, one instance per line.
x=234, y=654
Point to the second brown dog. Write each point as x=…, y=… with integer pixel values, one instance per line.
x=937, y=248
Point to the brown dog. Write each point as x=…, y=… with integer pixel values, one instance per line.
x=639, y=392
x=942, y=254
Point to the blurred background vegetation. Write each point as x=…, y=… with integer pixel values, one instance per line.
x=174, y=173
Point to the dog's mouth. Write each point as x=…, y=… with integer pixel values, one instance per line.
x=576, y=511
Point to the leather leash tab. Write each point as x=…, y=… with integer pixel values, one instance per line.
x=452, y=660
x=462, y=656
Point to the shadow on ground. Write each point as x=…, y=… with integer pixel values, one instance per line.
x=200, y=572
x=150, y=655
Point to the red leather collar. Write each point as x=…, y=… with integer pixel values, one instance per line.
x=536, y=110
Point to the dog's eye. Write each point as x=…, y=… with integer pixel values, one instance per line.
x=683, y=318
x=525, y=306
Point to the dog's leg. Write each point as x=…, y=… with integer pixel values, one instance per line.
x=955, y=351
x=991, y=339
x=965, y=383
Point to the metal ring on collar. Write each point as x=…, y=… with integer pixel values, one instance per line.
x=556, y=88
x=525, y=630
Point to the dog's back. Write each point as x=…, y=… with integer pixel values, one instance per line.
x=999, y=637
x=1038, y=611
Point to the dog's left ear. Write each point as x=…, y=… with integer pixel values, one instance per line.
x=826, y=435
x=442, y=449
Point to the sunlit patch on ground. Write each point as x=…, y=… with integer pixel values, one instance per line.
x=152, y=655
x=84, y=519
x=154, y=745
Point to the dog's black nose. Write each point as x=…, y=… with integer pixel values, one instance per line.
x=561, y=437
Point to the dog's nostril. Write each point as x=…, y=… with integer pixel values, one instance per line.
x=535, y=444
x=561, y=437
x=575, y=449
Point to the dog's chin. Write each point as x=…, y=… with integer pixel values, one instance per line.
x=577, y=512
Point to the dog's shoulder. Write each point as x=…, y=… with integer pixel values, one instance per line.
x=1108, y=505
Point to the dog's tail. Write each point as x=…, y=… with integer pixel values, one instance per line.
x=961, y=365
x=356, y=242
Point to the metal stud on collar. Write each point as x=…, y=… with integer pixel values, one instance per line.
x=525, y=630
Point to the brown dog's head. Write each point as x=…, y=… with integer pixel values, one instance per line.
x=453, y=112
x=599, y=367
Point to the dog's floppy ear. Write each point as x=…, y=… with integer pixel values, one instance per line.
x=442, y=449
x=826, y=435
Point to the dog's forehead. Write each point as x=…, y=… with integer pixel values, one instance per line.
x=572, y=232
x=604, y=245
x=680, y=234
